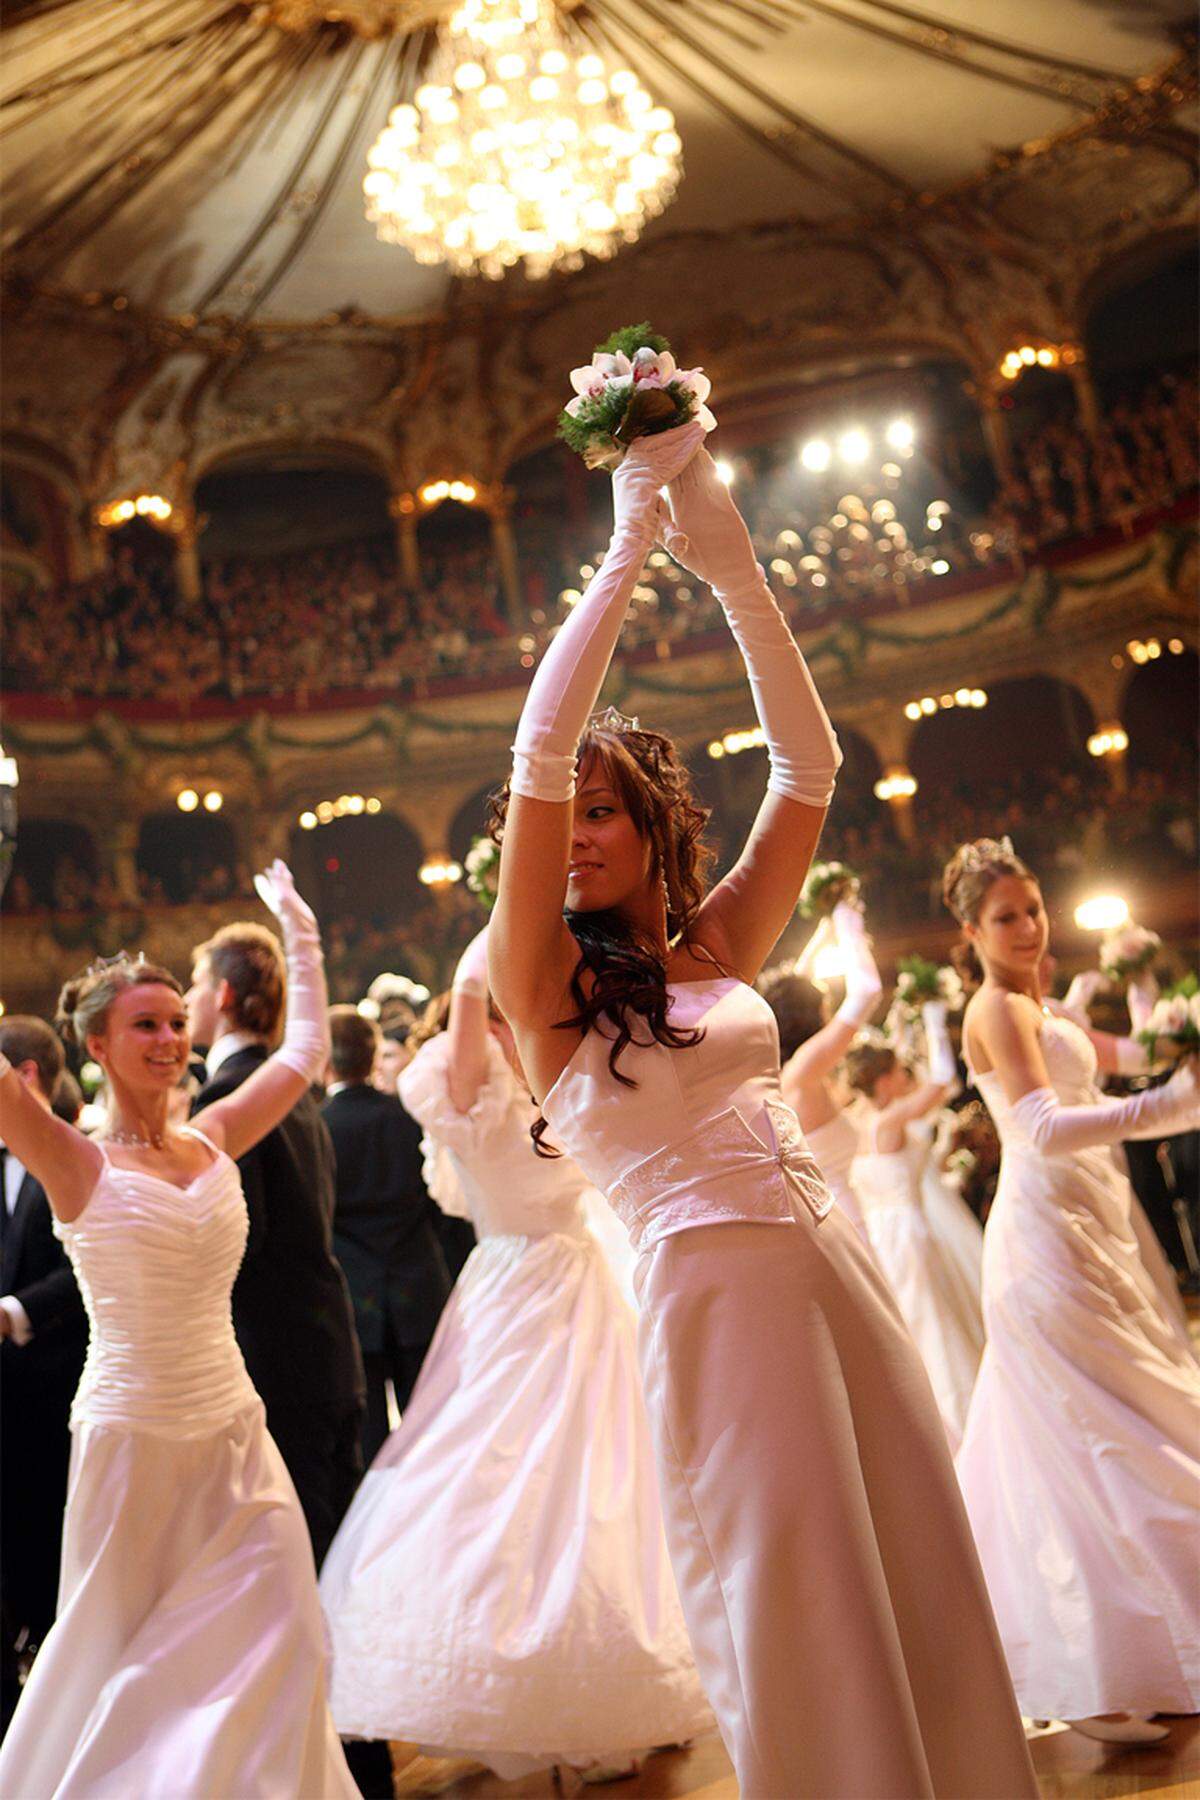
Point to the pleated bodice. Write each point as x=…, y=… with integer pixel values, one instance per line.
x=155, y=1264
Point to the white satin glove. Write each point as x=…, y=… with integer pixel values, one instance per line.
x=939, y=1054
x=567, y=682
x=705, y=532
x=305, y=1046
x=863, y=986
x=1057, y=1130
x=471, y=975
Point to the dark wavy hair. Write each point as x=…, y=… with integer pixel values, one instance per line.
x=799, y=1005
x=628, y=973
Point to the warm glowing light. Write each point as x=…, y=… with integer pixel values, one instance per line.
x=439, y=872
x=9, y=777
x=725, y=472
x=828, y=964
x=732, y=743
x=214, y=800
x=1110, y=740
x=1103, y=912
x=854, y=447
x=308, y=821
x=374, y=805
x=899, y=785
x=913, y=710
x=187, y=800
x=901, y=435
x=517, y=151
x=816, y=455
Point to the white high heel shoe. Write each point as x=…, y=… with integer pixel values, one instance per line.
x=1131, y=1730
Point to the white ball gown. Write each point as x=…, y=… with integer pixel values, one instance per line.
x=824, y=1559
x=500, y=1586
x=945, y=1322
x=953, y=1226
x=187, y=1660
x=835, y=1145
x=1081, y=1462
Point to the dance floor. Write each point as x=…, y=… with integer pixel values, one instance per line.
x=1068, y=1767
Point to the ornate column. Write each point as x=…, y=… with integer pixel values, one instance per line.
x=995, y=431
x=403, y=508
x=498, y=502
x=889, y=732
x=1087, y=401
x=120, y=843
x=1102, y=681
x=187, y=557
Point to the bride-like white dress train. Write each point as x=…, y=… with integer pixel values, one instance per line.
x=824, y=1559
x=1081, y=1460
x=500, y=1586
x=187, y=1661
x=945, y=1323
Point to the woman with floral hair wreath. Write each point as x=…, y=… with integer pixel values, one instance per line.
x=819, y=1542
x=1081, y=1459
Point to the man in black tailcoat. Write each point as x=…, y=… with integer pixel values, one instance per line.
x=383, y=1232
x=43, y=1340
x=291, y=1306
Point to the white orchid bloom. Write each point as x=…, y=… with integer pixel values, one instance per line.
x=572, y=407
x=612, y=366
x=1194, y=1010
x=587, y=380
x=652, y=368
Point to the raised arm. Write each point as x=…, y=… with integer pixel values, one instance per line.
x=244, y=1117
x=531, y=953
x=66, y=1163
x=467, y=1027
x=826, y=1048
x=1007, y=1027
x=941, y=1080
x=743, y=916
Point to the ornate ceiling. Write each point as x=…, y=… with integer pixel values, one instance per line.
x=183, y=220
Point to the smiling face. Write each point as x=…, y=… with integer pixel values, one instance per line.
x=145, y=1042
x=612, y=864
x=1012, y=930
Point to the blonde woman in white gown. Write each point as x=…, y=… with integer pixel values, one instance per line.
x=500, y=1586
x=889, y=1172
x=187, y=1658
x=812, y=1044
x=1081, y=1461
x=819, y=1541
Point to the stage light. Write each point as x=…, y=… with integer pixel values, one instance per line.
x=854, y=447
x=828, y=964
x=816, y=455
x=900, y=434
x=1103, y=912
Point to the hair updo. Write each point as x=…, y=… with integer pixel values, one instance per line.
x=84, y=1001
x=799, y=1006
x=966, y=879
x=866, y=1066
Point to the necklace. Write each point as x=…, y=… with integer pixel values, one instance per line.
x=155, y=1141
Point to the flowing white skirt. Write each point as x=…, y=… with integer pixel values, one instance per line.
x=500, y=1586
x=187, y=1661
x=1081, y=1461
x=958, y=1236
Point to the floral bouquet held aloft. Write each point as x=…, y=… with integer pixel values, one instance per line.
x=1128, y=952
x=827, y=885
x=1173, y=1028
x=483, y=870
x=630, y=389
x=919, y=980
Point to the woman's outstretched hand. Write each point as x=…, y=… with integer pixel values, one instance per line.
x=702, y=528
x=276, y=888
x=645, y=470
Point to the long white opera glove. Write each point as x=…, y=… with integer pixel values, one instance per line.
x=305, y=1046
x=471, y=975
x=1159, y=1112
x=566, y=686
x=939, y=1055
x=863, y=986
x=705, y=532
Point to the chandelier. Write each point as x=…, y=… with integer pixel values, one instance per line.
x=517, y=147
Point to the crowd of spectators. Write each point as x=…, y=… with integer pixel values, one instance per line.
x=343, y=619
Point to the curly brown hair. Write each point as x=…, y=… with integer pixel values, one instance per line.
x=866, y=1066
x=799, y=1005
x=628, y=972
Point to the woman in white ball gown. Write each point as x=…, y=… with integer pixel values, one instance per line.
x=832, y=1592
x=812, y=1044
x=1081, y=1462
x=500, y=1586
x=946, y=1322
x=188, y=1657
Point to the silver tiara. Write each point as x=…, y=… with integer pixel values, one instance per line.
x=101, y=965
x=984, y=851
x=612, y=720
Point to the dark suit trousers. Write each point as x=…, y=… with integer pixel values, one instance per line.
x=35, y=1450
x=324, y=1459
x=400, y=1364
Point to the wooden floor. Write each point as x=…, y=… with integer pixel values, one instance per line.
x=1069, y=1767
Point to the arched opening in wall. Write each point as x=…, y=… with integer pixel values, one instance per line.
x=553, y=524
x=460, y=576
x=360, y=873
x=141, y=561
x=288, y=503
x=1143, y=320
x=35, y=529
x=188, y=856
x=470, y=821
x=1154, y=822
x=55, y=868
x=1040, y=402
x=1017, y=766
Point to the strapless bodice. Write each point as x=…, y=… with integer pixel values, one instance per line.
x=155, y=1264
x=504, y=1187
x=1070, y=1059
x=705, y=1137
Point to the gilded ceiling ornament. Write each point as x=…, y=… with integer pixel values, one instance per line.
x=366, y=18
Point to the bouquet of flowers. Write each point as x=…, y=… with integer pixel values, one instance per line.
x=483, y=870
x=1174, y=1021
x=920, y=980
x=390, y=994
x=1128, y=951
x=827, y=884
x=630, y=389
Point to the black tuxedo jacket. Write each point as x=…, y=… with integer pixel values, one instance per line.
x=291, y=1306
x=383, y=1231
x=35, y=1270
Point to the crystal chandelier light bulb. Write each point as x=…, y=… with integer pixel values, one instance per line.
x=515, y=148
